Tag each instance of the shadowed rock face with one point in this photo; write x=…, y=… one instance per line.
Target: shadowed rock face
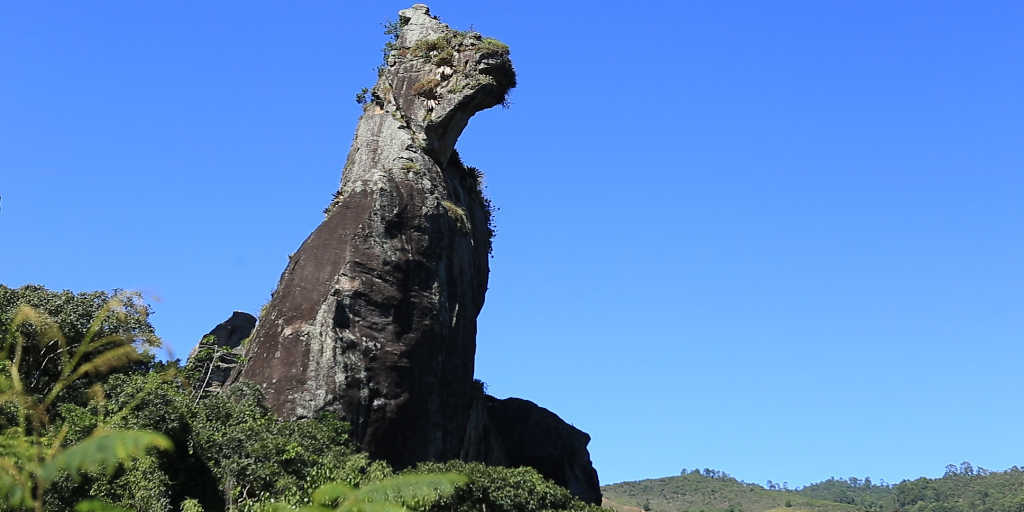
x=225, y=345
x=515, y=432
x=374, y=317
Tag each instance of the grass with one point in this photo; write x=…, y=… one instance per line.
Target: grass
x=458, y=215
x=491, y=45
x=426, y=47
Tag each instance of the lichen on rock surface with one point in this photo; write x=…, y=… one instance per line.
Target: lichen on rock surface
x=374, y=317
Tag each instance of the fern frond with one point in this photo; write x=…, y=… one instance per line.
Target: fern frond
x=103, y=451
x=415, y=490
x=111, y=307
x=331, y=494
x=15, y=487
x=47, y=329
x=113, y=358
x=98, y=365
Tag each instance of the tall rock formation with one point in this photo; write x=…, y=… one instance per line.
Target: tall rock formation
x=375, y=315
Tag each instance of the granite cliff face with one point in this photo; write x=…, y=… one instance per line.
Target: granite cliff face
x=515, y=432
x=375, y=315
x=218, y=352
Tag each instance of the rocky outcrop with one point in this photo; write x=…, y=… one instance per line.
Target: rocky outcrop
x=220, y=350
x=374, y=317
x=516, y=432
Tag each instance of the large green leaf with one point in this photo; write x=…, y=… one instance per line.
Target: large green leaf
x=411, y=489
x=13, y=490
x=103, y=451
x=332, y=494
x=98, y=506
x=389, y=495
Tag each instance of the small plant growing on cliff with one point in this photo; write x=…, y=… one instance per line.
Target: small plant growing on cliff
x=475, y=177
x=491, y=45
x=479, y=387
x=335, y=199
x=362, y=97
x=427, y=88
x=392, y=28
x=426, y=47
x=457, y=214
x=445, y=58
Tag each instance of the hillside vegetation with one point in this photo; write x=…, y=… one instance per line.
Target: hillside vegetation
x=91, y=421
x=711, y=491
x=962, y=489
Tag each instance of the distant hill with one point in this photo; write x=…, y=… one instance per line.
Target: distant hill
x=853, y=491
x=962, y=489
x=716, y=492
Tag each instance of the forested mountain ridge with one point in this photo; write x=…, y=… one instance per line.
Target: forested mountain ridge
x=963, y=488
x=710, y=491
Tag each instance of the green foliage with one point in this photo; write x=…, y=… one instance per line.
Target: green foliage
x=444, y=57
x=426, y=88
x=34, y=455
x=102, y=451
x=472, y=181
x=335, y=199
x=191, y=505
x=97, y=506
x=108, y=320
x=963, y=489
x=395, y=494
x=392, y=29
x=362, y=96
x=500, y=489
x=64, y=444
x=476, y=179
x=493, y=46
x=233, y=453
x=853, y=491
x=434, y=45
x=710, y=490
x=259, y=457
x=144, y=441
x=458, y=215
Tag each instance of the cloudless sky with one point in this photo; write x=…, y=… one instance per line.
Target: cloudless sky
x=781, y=239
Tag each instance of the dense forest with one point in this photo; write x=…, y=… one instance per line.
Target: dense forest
x=93, y=421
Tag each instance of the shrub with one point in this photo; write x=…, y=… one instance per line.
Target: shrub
x=427, y=88
x=426, y=47
x=493, y=46
x=500, y=489
x=445, y=57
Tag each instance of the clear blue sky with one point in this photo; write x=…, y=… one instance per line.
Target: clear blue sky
x=781, y=239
